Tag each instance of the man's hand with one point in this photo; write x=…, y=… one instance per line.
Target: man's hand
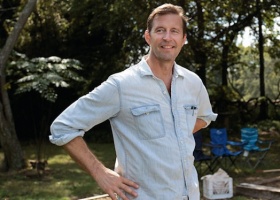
x=109, y=181
x=199, y=124
x=113, y=184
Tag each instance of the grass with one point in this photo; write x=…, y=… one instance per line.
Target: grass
x=64, y=180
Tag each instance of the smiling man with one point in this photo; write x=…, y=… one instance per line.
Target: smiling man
x=153, y=107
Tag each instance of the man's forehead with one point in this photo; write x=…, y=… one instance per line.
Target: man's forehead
x=161, y=20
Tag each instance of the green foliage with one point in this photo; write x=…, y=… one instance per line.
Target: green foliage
x=244, y=76
x=110, y=35
x=44, y=75
x=107, y=37
x=46, y=30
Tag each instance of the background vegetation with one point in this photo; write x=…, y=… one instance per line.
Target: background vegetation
x=68, y=47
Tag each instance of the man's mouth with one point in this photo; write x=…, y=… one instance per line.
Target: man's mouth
x=167, y=47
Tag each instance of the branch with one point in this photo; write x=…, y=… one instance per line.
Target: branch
x=12, y=39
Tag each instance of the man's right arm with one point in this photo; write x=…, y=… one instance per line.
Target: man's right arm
x=109, y=181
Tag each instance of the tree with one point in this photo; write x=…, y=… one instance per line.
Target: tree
x=107, y=37
x=8, y=11
x=38, y=80
x=13, y=154
x=263, y=106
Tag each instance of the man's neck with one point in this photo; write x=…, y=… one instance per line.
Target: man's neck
x=162, y=70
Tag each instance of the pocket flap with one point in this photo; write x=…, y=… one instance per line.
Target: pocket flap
x=144, y=110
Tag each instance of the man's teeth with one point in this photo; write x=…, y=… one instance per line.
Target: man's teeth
x=167, y=47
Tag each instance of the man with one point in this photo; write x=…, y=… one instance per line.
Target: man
x=153, y=107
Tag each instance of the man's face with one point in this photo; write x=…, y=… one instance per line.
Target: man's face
x=166, y=37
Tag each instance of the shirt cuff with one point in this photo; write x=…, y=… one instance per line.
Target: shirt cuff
x=63, y=139
x=209, y=118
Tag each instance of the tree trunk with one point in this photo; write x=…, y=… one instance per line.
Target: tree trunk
x=13, y=154
x=263, y=106
x=200, y=54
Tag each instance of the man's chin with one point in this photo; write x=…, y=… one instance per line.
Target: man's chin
x=166, y=57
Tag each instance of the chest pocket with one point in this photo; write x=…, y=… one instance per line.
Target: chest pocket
x=191, y=115
x=191, y=110
x=149, y=122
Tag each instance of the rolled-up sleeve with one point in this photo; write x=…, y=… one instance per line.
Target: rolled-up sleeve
x=62, y=132
x=94, y=108
x=205, y=109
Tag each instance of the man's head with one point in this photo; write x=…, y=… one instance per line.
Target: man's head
x=166, y=33
x=167, y=9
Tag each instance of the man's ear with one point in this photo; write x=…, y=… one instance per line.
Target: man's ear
x=147, y=36
x=185, y=39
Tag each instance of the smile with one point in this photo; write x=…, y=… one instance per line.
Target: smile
x=167, y=47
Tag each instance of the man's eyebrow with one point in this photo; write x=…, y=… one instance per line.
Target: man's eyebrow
x=160, y=26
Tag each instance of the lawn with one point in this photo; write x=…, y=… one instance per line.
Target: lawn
x=64, y=180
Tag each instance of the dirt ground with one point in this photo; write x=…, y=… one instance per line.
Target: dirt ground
x=262, y=179
x=265, y=178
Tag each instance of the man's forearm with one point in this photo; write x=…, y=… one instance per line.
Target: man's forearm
x=79, y=152
x=199, y=124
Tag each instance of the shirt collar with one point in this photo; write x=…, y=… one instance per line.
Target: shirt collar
x=145, y=70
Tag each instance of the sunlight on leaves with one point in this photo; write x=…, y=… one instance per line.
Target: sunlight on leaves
x=44, y=75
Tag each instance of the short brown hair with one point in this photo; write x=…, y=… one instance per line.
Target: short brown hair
x=167, y=9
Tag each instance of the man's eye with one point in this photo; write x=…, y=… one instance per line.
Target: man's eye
x=159, y=30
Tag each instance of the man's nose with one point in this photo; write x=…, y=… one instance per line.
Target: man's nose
x=167, y=35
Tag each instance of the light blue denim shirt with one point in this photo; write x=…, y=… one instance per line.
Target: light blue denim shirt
x=152, y=130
